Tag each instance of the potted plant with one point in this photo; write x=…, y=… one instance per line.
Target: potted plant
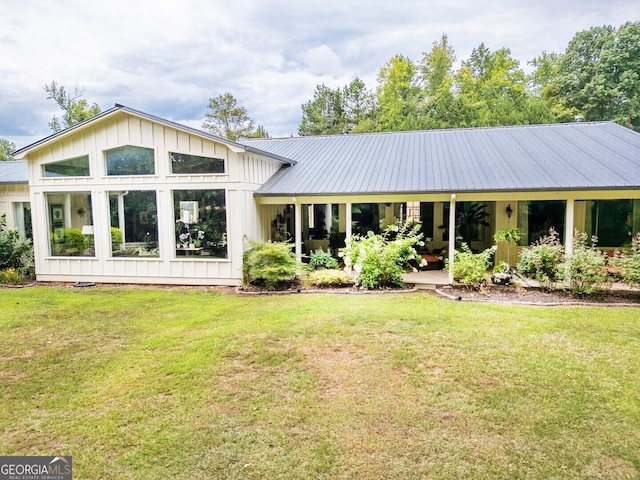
x=509, y=235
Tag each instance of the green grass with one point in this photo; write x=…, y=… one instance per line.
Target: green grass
x=141, y=383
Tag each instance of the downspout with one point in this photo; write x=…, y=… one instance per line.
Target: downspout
x=452, y=235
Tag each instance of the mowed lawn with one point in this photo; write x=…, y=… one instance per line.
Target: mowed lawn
x=144, y=383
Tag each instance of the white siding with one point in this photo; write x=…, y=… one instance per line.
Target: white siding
x=244, y=174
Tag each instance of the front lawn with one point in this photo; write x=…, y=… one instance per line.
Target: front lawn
x=143, y=383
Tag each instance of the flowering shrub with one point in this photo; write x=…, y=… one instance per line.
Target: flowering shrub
x=542, y=259
x=380, y=260
x=11, y=276
x=268, y=264
x=470, y=269
x=586, y=268
x=628, y=265
x=15, y=252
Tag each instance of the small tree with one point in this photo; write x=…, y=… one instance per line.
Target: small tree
x=269, y=264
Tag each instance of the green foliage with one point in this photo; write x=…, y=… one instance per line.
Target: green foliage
x=116, y=238
x=74, y=240
x=268, y=263
x=470, y=269
x=322, y=259
x=327, y=278
x=542, y=259
x=6, y=149
x=381, y=260
x=15, y=252
x=227, y=119
x=76, y=109
x=398, y=95
x=508, y=235
x=11, y=276
x=628, y=265
x=586, y=268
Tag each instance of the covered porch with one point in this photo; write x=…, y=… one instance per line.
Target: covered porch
x=323, y=222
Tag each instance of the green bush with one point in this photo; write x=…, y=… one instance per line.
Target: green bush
x=15, y=252
x=116, y=238
x=75, y=243
x=322, y=259
x=470, y=269
x=11, y=276
x=381, y=260
x=628, y=265
x=586, y=268
x=327, y=278
x=541, y=260
x=269, y=264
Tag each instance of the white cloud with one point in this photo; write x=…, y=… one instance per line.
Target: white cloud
x=168, y=58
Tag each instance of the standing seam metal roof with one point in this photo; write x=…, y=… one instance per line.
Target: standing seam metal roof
x=599, y=155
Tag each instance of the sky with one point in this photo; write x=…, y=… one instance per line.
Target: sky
x=168, y=58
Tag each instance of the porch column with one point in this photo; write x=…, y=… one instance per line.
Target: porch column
x=328, y=217
x=568, y=227
x=348, y=216
x=298, y=233
x=452, y=235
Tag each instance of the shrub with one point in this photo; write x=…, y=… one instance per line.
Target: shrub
x=116, y=238
x=327, y=278
x=11, y=276
x=269, y=264
x=322, y=259
x=586, y=268
x=380, y=261
x=470, y=269
x=15, y=252
x=542, y=259
x=628, y=265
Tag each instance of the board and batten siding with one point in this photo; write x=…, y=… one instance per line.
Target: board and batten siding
x=9, y=196
x=244, y=173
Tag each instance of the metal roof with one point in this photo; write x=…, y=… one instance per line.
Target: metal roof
x=14, y=171
x=600, y=155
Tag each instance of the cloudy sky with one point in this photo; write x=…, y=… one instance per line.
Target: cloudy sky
x=168, y=58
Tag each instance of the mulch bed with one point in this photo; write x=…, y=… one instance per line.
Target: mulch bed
x=510, y=294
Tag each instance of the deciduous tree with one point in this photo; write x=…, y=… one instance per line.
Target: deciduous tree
x=227, y=119
x=76, y=109
x=6, y=149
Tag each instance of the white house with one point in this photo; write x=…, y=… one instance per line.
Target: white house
x=130, y=197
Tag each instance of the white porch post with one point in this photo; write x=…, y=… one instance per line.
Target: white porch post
x=348, y=212
x=452, y=235
x=568, y=227
x=328, y=217
x=298, y=233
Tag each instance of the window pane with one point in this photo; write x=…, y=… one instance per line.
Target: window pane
x=73, y=167
x=201, y=223
x=68, y=214
x=611, y=222
x=134, y=224
x=130, y=160
x=183, y=163
x=535, y=218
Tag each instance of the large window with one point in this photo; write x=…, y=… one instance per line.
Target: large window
x=134, y=223
x=201, y=223
x=535, y=218
x=612, y=221
x=130, y=160
x=22, y=214
x=70, y=224
x=183, y=163
x=73, y=167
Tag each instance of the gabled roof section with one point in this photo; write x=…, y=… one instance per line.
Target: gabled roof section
x=600, y=155
x=13, y=172
x=233, y=146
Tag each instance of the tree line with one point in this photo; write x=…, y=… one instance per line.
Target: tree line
x=596, y=78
